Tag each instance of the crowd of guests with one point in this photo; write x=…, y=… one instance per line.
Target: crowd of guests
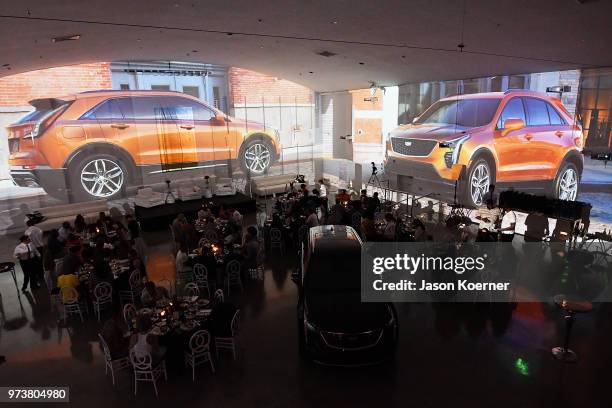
x=58, y=259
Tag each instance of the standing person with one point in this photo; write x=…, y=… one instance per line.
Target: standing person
x=65, y=231
x=390, y=227
x=26, y=254
x=312, y=220
x=508, y=225
x=36, y=236
x=537, y=227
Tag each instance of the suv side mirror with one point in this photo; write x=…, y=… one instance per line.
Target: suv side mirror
x=219, y=119
x=512, y=124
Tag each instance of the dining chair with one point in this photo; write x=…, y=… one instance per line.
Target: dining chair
x=199, y=351
x=191, y=289
x=201, y=278
x=211, y=235
x=229, y=343
x=112, y=363
x=232, y=275
x=102, y=297
x=70, y=302
x=276, y=240
x=145, y=370
x=129, y=313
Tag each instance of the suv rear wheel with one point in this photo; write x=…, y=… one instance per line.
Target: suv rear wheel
x=256, y=157
x=98, y=177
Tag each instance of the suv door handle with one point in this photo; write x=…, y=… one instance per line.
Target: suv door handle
x=120, y=126
x=188, y=127
x=528, y=136
x=558, y=133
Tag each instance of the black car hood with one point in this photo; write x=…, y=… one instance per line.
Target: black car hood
x=344, y=312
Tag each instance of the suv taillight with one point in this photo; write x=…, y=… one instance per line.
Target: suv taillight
x=46, y=121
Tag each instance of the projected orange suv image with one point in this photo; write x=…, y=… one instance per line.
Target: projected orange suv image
x=461, y=145
x=93, y=145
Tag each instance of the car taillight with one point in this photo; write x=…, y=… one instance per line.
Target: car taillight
x=45, y=122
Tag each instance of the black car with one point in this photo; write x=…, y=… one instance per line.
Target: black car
x=334, y=326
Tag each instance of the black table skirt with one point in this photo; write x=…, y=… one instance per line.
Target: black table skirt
x=161, y=216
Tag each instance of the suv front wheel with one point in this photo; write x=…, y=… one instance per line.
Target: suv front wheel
x=479, y=176
x=97, y=177
x=566, y=183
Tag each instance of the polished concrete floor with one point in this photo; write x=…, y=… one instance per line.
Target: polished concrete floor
x=449, y=355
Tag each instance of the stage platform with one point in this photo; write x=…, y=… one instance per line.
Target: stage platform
x=161, y=216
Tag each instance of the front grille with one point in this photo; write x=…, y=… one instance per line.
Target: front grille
x=13, y=145
x=347, y=341
x=413, y=147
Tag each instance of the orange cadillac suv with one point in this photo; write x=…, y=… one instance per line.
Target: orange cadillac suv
x=462, y=144
x=92, y=145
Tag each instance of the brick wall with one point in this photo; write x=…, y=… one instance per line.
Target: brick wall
x=17, y=90
x=253, y=86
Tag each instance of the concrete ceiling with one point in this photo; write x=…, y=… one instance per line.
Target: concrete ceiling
x=388, y=42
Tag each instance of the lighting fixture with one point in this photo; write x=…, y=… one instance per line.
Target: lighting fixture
x=73, y=37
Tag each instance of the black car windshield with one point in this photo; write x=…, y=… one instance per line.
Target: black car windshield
x=339, y=271
x=461, y=112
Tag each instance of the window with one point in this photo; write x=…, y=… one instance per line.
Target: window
x=186, y=109
x=192, y=90
x=160, y=87
x=537, y=114
x=124, y=87
x=462, y=112
x=513, y=110
x=555, y=118
x=106, y=110
x=216, y=97
x=145, y=107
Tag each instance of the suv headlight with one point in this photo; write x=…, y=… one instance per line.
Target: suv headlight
x=452, y=156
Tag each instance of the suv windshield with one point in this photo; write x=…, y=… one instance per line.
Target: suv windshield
x=461, y=112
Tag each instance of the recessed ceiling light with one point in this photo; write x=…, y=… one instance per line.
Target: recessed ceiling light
x=334, y=21
x=138, y=40
x=260, y=20
x=310, y=72
x=73, y=37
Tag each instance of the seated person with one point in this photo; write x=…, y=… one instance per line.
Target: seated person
x=112, y=332
x=72, y=261
x=68, y=280
x=390, y=224
x=204, y=213
x=234, y=236
x=64, y=231
x=151, y=294
x=223, y=212
x=182, y=259
x=79, y=224
x=143, y=342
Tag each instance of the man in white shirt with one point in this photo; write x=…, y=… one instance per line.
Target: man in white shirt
x=27, y=255
x=36, y=236
x=508, y=225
